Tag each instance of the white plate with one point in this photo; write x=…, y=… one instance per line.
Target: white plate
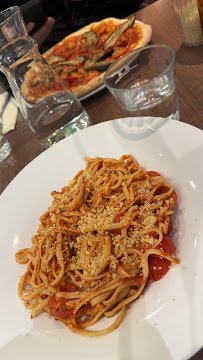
x=93, y=92
x=167, y=323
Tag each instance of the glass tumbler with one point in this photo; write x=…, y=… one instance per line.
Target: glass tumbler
x=143, y=82
x=189, y=14
x=5, y=147
x=48, y=105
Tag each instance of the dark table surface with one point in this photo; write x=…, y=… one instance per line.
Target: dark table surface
x=102, y=107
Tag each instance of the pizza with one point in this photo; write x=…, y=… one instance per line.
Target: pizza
x=40, y=81
x=82, y=57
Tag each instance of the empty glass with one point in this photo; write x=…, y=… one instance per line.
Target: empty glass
x=46, y=102
x=143, y=82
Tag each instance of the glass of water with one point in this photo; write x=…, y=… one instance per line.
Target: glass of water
x=143, y=82
x=48, y=105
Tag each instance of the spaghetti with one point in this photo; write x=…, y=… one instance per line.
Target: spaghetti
x=99, y=243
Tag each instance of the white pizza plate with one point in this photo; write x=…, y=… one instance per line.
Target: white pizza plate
x=167, y=323
x=93, y=92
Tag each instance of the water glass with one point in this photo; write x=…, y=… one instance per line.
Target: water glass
x=5, y=148
x=143, y=82
x=48, y=105
x=189, y=14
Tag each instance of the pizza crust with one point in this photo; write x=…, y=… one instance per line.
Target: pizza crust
x=95, y=83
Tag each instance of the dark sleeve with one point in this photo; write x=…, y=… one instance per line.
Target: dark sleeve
x=98, y=9
x=4, y=4
x=54, y=8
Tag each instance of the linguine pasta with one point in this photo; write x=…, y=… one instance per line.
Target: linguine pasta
x=99, y=243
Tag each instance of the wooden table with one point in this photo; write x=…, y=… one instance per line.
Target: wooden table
x=102, y=107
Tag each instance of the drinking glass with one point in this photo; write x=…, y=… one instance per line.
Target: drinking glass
x=189, y=14
x=48, y=105
x=143, y=82
x=5, y=147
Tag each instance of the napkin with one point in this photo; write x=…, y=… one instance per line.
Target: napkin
x=9, y=115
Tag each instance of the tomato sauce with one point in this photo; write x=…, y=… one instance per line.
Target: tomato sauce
x=116, y=220
x=59, y=308
x=158, y=267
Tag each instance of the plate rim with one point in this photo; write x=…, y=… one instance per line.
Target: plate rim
x=26, y=168
x=178, y=123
